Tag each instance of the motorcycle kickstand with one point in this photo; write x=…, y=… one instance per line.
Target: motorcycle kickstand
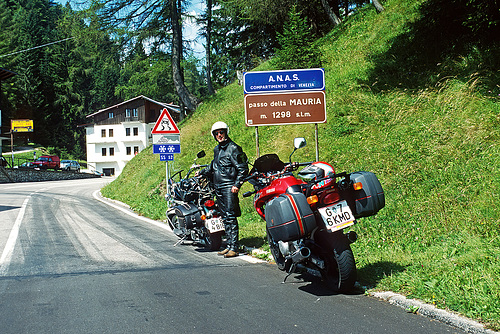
x=182, y=240
x=289, y=272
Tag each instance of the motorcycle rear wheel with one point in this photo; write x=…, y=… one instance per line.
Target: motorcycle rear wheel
x=278, y=257
x=213, y=241
x=340, y=272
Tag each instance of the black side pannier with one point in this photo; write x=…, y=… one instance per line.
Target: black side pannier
x=189, y=215
x=289, y=217
x=369, y=200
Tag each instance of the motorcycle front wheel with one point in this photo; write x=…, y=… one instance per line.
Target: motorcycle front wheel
x=340, y=271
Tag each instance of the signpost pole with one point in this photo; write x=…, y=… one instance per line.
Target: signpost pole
x=317, y=142
x=257, y=141
x=12, y=146
x=167, y=175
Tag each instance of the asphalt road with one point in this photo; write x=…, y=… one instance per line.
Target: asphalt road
x=72, y=264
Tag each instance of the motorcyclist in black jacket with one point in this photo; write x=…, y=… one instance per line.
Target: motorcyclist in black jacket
x=227, y=171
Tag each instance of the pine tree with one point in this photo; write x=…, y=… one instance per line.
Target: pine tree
x=296, y=44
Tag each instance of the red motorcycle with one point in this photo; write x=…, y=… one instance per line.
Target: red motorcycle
x=306, y=217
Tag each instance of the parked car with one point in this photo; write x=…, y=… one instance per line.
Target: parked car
x=70, y=165
x=48, y=162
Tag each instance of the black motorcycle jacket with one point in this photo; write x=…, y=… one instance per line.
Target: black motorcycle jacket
x=229, y=166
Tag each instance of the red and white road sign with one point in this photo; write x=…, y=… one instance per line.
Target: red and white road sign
x=165, y=124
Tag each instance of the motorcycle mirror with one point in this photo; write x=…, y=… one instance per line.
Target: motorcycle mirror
x=200, y=154
x=299, y=142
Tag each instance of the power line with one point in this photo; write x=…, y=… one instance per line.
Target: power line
x=36, y=47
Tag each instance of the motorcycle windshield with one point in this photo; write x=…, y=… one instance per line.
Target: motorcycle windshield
x=268, y=163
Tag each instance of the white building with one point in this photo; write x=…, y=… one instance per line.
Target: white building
x=119, y=132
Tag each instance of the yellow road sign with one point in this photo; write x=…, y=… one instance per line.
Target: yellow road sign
x=21, y=125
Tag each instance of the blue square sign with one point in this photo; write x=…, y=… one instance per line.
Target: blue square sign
x=166, y=157
x=167, y=148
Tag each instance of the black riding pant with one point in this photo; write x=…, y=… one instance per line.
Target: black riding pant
x=229, y=206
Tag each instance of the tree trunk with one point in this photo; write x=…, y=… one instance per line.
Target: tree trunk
x=188, y=99
x=208, y=57
x=331, y=15
x=378, y=6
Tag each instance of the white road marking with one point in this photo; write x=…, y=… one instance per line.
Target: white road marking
x=11, y=242
x=131, y=213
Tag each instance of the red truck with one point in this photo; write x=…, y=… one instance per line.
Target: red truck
x=47, y=162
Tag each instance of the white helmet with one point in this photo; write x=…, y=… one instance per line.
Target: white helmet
x=220, y=126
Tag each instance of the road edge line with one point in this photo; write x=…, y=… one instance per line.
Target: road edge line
x=126, y=209
x=11, y=241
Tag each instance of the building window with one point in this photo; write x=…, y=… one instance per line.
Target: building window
x=136, y=131
x=111, y=151
x=103, y=133
x=127, y=113
x=103, y=150
x=127, y=131
x=136, y=150
x=111, y=115
x=111, y=132
x=129, y=150
x=134, y=112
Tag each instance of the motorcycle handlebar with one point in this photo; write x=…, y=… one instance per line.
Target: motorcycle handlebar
x=198, y=166
x=179, y=172
x=248, y=193
x=295, y=165
x=251, y=176
x=288, y=167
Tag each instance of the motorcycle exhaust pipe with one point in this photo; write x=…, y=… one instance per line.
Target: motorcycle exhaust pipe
x=301, y=254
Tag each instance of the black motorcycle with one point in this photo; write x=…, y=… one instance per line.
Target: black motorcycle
x=193, y=214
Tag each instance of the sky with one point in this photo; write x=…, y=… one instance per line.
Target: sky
x=191, y=29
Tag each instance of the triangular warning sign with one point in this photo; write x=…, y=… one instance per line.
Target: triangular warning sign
x=165, y=124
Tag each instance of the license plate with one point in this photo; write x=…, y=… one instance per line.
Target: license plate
x=337, y=216
x=214, y=225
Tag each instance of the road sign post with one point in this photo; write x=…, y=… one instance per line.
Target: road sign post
x=284, y=81
x=166, y=142
x=166, y=139
x=165, y=124
x=285, y=108
x=18, y=125
x=166, y=148
x=285, y=97
x=166, y=157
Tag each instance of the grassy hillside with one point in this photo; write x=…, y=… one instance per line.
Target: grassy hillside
x=428, y=125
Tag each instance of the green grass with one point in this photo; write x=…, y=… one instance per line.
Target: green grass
x=20, y=157
x=431, y=136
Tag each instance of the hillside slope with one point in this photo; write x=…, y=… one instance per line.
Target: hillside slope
x=428, y=125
